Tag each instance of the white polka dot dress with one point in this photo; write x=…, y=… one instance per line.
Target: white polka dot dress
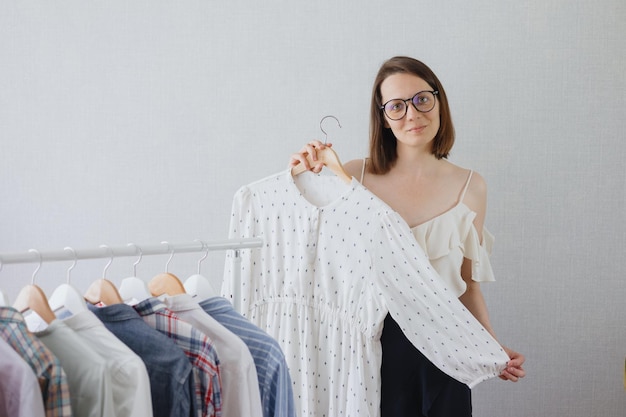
x=335, y=261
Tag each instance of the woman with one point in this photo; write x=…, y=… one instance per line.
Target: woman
x=411, y=135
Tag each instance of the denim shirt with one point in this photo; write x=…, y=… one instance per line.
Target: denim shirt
x=169, y=370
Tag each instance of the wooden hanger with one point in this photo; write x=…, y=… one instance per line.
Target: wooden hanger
x=102, y=290
x=31, y=297
x=328, y=157
x=166, y=283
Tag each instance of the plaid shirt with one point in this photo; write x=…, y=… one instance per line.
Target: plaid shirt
x=47, y=368
x=198, y=348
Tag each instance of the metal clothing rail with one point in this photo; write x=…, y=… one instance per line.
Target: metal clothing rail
x=131, y=249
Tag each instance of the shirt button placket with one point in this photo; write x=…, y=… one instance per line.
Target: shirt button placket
x=312, y=237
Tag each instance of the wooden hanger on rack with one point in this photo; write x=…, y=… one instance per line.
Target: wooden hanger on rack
x=102, y=290
x=166, y=283
x=31, y=297
x=328, y=157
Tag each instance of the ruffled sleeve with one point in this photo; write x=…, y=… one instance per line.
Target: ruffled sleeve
x=479, y=254
x=449, y=238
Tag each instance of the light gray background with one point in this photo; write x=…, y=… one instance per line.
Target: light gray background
x=137, y=121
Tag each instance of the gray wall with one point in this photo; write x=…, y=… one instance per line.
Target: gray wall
x=137, y=121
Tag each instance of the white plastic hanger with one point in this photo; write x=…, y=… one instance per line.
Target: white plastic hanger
x=103, y=291
x=133, y=289
x=67, y=298
x=199, y=286
x=327, y=156
x=31, y=297
x=166, y=283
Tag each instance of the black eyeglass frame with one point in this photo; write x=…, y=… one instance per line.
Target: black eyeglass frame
x=406, y=107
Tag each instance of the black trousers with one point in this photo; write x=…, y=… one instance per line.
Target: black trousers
x=412, y=386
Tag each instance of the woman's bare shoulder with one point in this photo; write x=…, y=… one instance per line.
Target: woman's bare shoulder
x=477, y=186
x=476, y=193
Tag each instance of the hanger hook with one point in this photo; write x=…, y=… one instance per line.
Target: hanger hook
x=322, y=129
x=167, y=264
x=138, y=260
x=205, y=254
x=32, y=280
x=73, y=264
x=104, y=272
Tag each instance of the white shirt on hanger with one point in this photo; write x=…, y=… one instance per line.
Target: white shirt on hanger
x=129, y=377
x=91, y=391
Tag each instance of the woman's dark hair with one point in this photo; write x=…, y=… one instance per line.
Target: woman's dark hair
x=383, y=147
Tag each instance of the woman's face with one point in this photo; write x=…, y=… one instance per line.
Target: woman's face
x=415, y=129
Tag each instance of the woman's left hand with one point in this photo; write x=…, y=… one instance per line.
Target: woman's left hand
x=514, y=371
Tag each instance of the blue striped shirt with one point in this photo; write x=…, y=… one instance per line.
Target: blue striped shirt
x=272, y=371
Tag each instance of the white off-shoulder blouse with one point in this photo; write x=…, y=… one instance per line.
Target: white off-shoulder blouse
x=452, y=236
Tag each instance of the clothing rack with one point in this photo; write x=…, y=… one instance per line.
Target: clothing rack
x=131, y=249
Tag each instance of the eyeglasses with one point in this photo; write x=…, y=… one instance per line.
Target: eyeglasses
x=396, y=108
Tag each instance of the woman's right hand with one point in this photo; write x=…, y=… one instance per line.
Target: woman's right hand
x=310, y=149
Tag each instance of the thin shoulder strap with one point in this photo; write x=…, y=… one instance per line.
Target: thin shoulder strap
x=363, y=170
x=467, y=183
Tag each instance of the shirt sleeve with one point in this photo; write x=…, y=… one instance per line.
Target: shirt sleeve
x=429, y=314
x=241, y=226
